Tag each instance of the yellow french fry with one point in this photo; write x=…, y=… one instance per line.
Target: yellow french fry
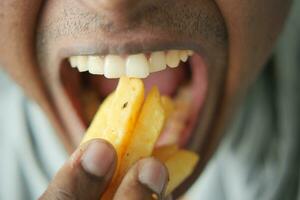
x=133, y=126
x=116, y=119
x=165, y=152
x=125, y=108
x=168, y=105
x=99, y=121
x=180, y=165
x=147, y=130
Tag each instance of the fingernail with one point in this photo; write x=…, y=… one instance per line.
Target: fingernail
x=153, y=174
x=98, y=159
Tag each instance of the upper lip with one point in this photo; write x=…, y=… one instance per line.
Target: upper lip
x=127, y=44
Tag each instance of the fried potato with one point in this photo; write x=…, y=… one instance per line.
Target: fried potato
x=147, y=130
x=180, y=165
x=125, y=108
x=168, y=105
x=165, y=152
x=133, y=126
x=115, y=120
x=99, y=121
x=117, y=117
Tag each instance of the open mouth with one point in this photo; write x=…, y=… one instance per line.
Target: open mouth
x=179, y=74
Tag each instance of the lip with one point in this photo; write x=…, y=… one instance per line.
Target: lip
x=138, y=40
x=141, y=40
x=124, y=48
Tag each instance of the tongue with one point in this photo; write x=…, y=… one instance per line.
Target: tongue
x=167, y=81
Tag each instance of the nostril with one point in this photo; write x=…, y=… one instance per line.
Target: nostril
x=113, y=6
x=117, y=4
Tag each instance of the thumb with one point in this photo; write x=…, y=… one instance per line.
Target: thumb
x=85, y=175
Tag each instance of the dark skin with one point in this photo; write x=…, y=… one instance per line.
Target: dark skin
x=235, y=38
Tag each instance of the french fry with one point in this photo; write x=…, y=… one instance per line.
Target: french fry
x=133, y=126
x=121, y=119
x=180, y=165
x=149, y=126
x=116, y=119
x=99, y=121
x=165, y=152
x=168, y=105
x=147, y=129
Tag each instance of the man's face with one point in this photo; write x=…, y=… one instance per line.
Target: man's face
x=232, y=39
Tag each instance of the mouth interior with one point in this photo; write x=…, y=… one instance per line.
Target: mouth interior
x=186, y=85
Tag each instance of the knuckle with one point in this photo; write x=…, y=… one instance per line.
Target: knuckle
x=62, y=194
x=58, y=193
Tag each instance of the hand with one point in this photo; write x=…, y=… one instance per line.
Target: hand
x=88, y=171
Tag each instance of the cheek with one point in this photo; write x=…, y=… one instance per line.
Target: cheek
x=253, y=27
x=17, y=21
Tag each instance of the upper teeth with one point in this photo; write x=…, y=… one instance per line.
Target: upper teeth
x=137, y=65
